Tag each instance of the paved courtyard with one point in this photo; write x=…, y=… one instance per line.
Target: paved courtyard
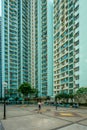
x=27, y=117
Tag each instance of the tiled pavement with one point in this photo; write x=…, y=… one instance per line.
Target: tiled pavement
x=1, y=127
x=28, y=118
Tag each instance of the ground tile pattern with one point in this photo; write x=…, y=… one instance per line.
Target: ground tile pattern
x=74, y=127
x=34, y=122
x=26, y=117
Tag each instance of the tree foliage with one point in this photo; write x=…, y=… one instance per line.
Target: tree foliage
x=64, y=96
x=81, y=90
x=34, y=92
x=25, y=89
x=81, y=95
x=48, y=98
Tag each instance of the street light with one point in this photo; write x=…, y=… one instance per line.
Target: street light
x=4, y=85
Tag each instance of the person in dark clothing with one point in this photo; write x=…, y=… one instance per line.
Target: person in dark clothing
x=39, y=106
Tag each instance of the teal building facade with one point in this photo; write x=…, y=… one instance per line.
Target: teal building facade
x=16, y=46
x=43, y=42
x=0, y=58
x=44, y=47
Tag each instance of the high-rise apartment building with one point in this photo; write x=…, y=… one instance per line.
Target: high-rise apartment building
x=44, y=43
x=28, y=44
x=70, y=57
x=44, y=47
x=33, y=43
x=10, y=43
x=15, y=42
x=24, y=43
x=0, y=58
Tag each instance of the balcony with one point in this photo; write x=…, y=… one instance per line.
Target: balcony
x=76, y=4
x=76, y=39
x=76, y=30
x=76, y=47
x=76, y=56
x=76, y=81
x=76, y=65
x=76, y=73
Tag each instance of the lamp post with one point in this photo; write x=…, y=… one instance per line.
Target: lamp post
x=5, y=85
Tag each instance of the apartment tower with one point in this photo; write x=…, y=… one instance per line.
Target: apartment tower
x=44, y=47
x=70, y=56
x=16, y=43
x=0, y=57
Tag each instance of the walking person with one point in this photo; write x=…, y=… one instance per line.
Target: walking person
x=39, y=106
x=56, y=104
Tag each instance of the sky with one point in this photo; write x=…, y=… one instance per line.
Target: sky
x=0, y=7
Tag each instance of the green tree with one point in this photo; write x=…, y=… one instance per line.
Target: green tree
x=34, y=92
x=63, y=96
x=81, y=95
x=58, y=96
x=48, y=98
x=71, y=96
x=25, y=89
x=81, y=90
